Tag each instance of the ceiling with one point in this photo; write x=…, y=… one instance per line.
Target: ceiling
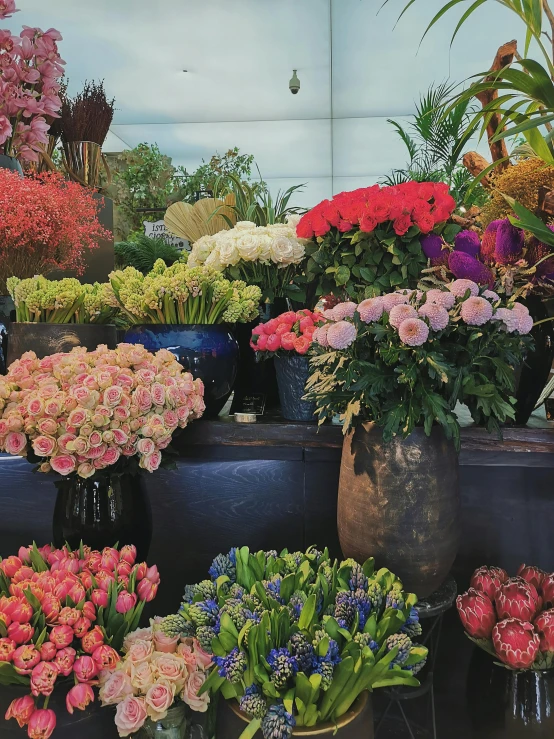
x=355, y=68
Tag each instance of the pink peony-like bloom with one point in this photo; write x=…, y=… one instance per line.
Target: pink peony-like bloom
x=114, y=687
x=371, y=309
x=43, y=446
x=7, y=649
x=130, y=715
x=79, y=697
x=64, y=464
x=158, y=699
x=64, y=661
x=392, y=299
x=491, y=295
x=319, y=336
x=436, y=315
x=105, y=657
x=511, y=320
x=85, y=669
x=460, y=287
x=20, y=633
x=344, y=310
x=15, y=443
x=41, y=724
x=43, y=677
x=441, y=297
x=401, y=312
x=476, y=311
x=21, y=709
x=413, y=332
x=516, y=643
x=93, y=639
x=341, y=335
x=125, y=601
x=25, y=658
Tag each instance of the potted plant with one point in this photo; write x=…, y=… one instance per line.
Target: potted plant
x=64, y=617
x=512, y=620
x=366, y=242
x=298, y=640
x=55, y=315
x=97, y=419
x=30, y=83
x=156, y=684
x=188, y=310
x=287, y=340
x=394, y=368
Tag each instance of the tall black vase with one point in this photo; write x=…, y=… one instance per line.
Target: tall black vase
x=101, y=512
x=12, y=163
x=533, y=375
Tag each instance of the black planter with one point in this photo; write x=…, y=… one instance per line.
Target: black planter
x=504, y=704
x=7, y=312
x=209, y=352
x=51, y=338
x=12, y=163
x=293, y=371
x=533, y=375
x=101, y=512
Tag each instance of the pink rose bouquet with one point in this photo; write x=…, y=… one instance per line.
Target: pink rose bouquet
x=511, y=618
x=84, y=412
x=155, y=673
x=63, y=617
x=405, y=359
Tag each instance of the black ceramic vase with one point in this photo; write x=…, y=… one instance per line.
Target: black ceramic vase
x=12, y=163
x=293, y=371
x=102, y=512
x=506, y=704
x=208, y=351
x=533, y=375
x=51, y=338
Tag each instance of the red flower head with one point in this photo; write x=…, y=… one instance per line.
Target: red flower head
x=105, y=657
x=69, y=616
x=544, y=624
x=533, y=575
x=516, y=643
x=25, y=658
x=21, y=611
x=10, y=566
x=128, y=554
x=61, y=636
x=85, y=669
x=477, y=614
x=48, y=651
x=89, y=610
x=43, y=677
x=93, y=639
x=488, y=580
x=51, y=607
x=64, y=660
x=20, y=633
x=7, y=649
x=517, y=599
x=547, y=590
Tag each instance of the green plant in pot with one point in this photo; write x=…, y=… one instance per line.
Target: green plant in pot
x=298, y=639
x=394, y=368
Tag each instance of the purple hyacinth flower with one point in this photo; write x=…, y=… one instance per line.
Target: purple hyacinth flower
x=488, y=242
x=431, y=245
x=465, y=267
x=509, y=243
x=468, y=242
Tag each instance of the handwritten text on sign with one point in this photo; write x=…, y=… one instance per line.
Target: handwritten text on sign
x=159, y=230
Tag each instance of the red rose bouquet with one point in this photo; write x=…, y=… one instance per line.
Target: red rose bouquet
x=290, y=332
x=512, y=618
x=63, y=618
x=366, y=242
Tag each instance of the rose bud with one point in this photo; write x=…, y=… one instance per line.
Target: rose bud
x=69, y=616
x=51, y=607
x=81, y=627
x=48, y=651
x=61, y=635
x=517, y=599
x=41, y=724
x=146, y=590
x=533, y=575
x=89, y=611
x=476, y=613
x=94, y=638
x=153, y=575
x=110, y=559
x=99, y=598
x=25, y=658
x=140, y=571
x=20, y=633
x=105, y=657
x=128, y=554
x=516, y=643
x=124, y=569
x=125, y=601
x=21, y=709
x=43, y=677
x=164, y=643
x=10, y=566
x=547, y=590
x=7, y=648
x=79, y=697
x=64, y=660
x=24, y=555
x=85, y=669
x=22, y=611
x=544, y=624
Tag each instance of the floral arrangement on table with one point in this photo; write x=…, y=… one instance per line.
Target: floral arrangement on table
x=406, y=358
x=84, y=412
x=157, y=674
x=365, y=242
x=267, y=256
x=290, y=332
x=298, y=637
x=182, y=294
x=38, y=300
x=511, y=618
x=63, y=617
x=502, y=259
x=29, y=82
x=47, y=224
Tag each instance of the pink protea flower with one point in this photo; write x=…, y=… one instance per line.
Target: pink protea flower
x=489, y=580
x=399, y=313
x=516, y=643
x=476, y=311
x=517, y=599
x=436, y=315
x=392, y=299
x=341, y=335
x=413, y=332
x=544, y=624
x=344, y=310
x=476, y=613
x=531, y=574
x=441, y=297
x=371, y=309
x=460, y=287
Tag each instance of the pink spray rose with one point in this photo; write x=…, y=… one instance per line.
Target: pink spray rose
x=115, y=688
x=189, y=694
x=158, y=699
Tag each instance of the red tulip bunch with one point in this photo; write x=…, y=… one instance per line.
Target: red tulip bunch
x=511, y=617
x=291, y=332
x=64, y=615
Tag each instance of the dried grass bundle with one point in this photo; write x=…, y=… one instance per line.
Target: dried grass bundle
x=88, y=116
x=191, y=222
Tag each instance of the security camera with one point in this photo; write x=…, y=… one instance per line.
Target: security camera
x=294, y=84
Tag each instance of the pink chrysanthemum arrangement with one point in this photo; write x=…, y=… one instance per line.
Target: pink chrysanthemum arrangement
x=405, y=359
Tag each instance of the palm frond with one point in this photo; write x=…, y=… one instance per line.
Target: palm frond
x=143, y=253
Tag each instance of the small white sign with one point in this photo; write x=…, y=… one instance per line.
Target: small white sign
x=158, y=230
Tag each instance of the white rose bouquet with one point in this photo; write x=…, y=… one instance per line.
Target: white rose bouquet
x=268, y=256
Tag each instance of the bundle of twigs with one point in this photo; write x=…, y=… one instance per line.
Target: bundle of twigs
x=87, y=116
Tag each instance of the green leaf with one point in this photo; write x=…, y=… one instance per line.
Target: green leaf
x=251, y=729
x=342, y=275
x=228, y=626
x=307, y=614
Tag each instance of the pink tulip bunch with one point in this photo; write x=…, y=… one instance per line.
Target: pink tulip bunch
x=29, y=87
x=87, y=411
x=511, y=617
x=156, y=671
x=63, y=616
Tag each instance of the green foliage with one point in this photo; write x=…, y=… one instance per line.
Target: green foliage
x=205, y=177
x=255, y=204
x=144, y=251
